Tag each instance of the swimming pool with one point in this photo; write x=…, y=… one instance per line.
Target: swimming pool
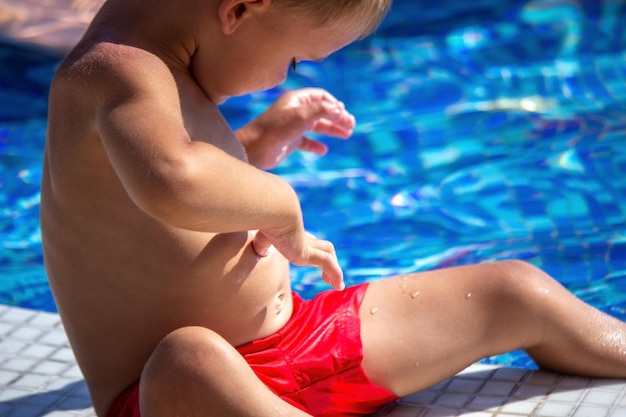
x=485, y=132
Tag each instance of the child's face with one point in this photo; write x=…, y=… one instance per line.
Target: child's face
x=258, y=55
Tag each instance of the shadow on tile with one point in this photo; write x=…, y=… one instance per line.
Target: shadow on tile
x=69, y=398
x=510, y=391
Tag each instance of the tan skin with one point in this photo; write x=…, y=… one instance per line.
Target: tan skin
x=158, y=224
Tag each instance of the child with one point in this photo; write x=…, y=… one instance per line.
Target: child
x=168, y=247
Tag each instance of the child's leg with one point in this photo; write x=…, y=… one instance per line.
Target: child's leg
x=194, y=372
x=420, y=329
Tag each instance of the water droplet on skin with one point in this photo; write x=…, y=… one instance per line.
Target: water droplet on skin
x=403, y=288
x=414, y=294
x=468, y=295
x=374, y=310
x=417, y=364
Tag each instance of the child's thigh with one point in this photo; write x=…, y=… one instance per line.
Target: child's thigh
x=420, y=329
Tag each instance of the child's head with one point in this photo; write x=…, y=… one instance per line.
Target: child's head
x=255, y=41
x=366, y=14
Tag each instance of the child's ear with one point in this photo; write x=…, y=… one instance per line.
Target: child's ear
x=232, y=12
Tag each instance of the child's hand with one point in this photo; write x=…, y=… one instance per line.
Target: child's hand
x=280, y=130
x=302, y=249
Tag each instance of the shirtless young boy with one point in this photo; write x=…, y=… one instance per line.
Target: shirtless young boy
x=168, y=247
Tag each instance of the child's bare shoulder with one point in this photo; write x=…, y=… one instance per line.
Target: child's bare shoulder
x=113, y=67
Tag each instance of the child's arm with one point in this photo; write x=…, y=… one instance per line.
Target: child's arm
x=199, y=184
x=280, y=130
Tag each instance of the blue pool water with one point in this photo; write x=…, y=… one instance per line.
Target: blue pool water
x=488, y=131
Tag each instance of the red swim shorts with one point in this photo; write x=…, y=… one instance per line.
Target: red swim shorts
x=313, y=362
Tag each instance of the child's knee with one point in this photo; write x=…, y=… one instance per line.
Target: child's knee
x=517, y=268
x=181, y=359
x=520, y=287
x=521, y=276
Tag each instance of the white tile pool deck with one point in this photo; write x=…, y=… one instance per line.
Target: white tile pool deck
x=38, y=377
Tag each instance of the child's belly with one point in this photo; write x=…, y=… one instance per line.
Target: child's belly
x=254, y=298
x=230, y=290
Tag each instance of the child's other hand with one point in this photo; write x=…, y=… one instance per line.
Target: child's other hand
x=302, y=249
x=281, y=129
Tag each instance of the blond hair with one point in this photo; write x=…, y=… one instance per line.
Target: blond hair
x=367, y=13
